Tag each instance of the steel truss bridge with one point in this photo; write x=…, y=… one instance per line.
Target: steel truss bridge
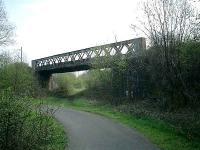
x=81, y=59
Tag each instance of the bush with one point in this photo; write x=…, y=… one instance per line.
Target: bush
x=20, y=78
x=21, y=127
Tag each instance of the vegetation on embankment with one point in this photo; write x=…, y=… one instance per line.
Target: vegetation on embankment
x=27, y=126
x=24, y=125
x=98, y=85
x=158, y=131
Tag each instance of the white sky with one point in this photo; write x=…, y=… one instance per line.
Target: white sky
x=48, y=27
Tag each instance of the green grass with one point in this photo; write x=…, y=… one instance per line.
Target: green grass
x=60, y=141
x=157, y=131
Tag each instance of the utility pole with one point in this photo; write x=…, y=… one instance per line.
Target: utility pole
x=21, y=54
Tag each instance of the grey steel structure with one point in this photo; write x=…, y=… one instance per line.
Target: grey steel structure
x=81, y=59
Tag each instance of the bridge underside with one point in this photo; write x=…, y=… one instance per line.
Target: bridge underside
x=44, y=75
x=66, y=68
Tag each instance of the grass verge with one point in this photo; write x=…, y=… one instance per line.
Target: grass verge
x=157, y=131
x=60, y=140
x=53, y=131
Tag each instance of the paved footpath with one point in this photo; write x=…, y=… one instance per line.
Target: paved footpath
x=88, y=131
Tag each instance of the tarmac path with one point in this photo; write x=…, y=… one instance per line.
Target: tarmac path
x=87, y=131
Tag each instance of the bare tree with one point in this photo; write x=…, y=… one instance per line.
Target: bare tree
x=169, y=24
x=6, y=28
x=169, y=21
x=6, y=34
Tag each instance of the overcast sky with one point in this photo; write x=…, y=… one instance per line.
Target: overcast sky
x=48, y=27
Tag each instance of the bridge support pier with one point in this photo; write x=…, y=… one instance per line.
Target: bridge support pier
x=44, y=79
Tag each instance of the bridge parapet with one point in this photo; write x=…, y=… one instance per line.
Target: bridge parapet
x=80, y=59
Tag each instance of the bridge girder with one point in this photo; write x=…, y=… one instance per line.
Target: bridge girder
x=81, y=59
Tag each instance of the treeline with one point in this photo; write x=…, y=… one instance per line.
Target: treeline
x=145, y=76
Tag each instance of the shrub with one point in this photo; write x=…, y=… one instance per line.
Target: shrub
x=23, y=126
x=19, y=77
